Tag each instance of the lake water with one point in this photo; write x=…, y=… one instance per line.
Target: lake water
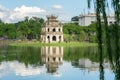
x=54, y=63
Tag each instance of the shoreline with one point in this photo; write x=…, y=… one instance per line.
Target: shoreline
x=64, y=44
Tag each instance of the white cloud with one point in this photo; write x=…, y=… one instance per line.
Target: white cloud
x=19, y=13
x=3, y=9
x=3, y=12
x=2, y=15
x=57, y=7
x=23, y=11
x=3, y=70
x=57, y=74
x=19, y=69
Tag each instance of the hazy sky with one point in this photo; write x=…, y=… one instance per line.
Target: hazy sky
x=16, y=10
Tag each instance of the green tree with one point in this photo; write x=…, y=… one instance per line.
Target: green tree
x=30, y=28
x=75, y=19
x=1, y=29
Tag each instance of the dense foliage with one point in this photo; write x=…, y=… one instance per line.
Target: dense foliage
x=73, y=32
x=30, y=28
x=75, y=19
x=27, y=29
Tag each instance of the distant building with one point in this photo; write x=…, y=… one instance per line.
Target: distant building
x=52, y=31
x=52, y=57
x=87, y=19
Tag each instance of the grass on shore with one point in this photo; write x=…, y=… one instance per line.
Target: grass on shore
x=38, y=44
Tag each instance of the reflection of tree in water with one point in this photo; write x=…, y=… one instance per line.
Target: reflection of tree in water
x=76, y=53
x=26, y=55
x=116, y=65
x=89, y=58
x=52, y=57
x=101, y=68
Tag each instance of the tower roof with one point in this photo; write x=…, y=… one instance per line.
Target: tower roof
x=52, y=17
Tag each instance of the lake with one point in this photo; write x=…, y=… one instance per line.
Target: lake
x=54, y=63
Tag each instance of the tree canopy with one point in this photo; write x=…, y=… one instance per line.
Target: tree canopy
x=29, y=28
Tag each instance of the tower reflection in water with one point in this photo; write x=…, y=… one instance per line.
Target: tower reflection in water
x=52, y=57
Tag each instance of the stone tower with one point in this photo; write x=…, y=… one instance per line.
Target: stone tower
x=52, y=31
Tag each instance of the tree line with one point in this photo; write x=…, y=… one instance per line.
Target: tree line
x=29, y=28
x=74, y=32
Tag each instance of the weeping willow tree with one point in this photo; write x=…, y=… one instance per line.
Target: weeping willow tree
x=116, y=6
x=104, y=5
x=100, y=8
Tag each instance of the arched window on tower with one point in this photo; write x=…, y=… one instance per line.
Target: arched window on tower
x=48, y=38
x=54, y=59
x=48, y=59
x=54, y=38
x=59, y=59
x=54, y=30
x=59, y=38
x=48, y=29
x=59, y=29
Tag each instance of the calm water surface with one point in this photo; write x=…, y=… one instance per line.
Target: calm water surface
x=53, y=63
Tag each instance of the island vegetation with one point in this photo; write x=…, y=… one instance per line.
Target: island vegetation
x=28, y=31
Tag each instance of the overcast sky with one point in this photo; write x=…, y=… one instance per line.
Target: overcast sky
x=16, y=10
